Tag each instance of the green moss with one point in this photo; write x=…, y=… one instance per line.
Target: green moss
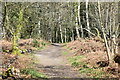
x=7, y=51
x=16, y=51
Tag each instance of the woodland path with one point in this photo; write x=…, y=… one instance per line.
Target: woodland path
x=53, y=64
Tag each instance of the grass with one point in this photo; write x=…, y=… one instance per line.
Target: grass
x=33, y=73
x=84, y=69
x=65, y=53
x=74, y=61
x=93, y=73
x=74, y=58
x=30, y=70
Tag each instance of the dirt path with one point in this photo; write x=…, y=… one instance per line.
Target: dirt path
x=53, y=64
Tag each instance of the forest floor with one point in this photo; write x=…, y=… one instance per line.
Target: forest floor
x=89, y=57
x=76, y=59
x=52, y=63
x=65, y=61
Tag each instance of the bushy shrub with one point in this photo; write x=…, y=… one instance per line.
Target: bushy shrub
x=36, y=43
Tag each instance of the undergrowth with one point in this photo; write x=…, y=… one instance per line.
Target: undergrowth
x=84, y=69
x=91, y=72
x=36, y=43
x=39, y=45
x=33, y=73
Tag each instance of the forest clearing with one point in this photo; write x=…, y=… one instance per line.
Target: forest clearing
x=60, y=40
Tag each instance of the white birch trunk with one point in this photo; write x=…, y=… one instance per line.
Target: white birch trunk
x=72, y=38
x=39, y=31
x=77, y=30
x=81, y=28
x=88, y=27
x=56, y=36
x=65, y=35
x=61, y=35
x=104, y=35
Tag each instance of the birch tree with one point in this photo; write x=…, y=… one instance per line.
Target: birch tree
x=79, y=18
x=87, y=18
x=109, y=28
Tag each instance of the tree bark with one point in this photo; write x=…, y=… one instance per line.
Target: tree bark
x=72, y=37
x=4, y=21
x=87, y=18
x=104, y=35
x=81, y=28
x=65, y=35
x=77, y=29
x=39, y=31
x=61, y=35
x=15, y=49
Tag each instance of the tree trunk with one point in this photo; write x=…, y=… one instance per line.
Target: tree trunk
x=81, y=28
x=104, y=35
x=4, y=21
x=77, y=29
x=87, y=18
x=56, y=38
x=39, y=31
x=15, y=49
x=65, y=35
x=61, y=35
x=72, y=37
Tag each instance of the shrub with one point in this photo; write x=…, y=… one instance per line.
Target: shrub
x=36, y=43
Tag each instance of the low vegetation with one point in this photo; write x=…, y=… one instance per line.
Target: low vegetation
x=65, y=53
x=84, y=69
x=27, y=48
x=86, y=54
x=33, y=73
x=74, y=61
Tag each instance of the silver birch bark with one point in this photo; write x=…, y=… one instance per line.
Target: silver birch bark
x=77, y=29
x=65, y=35
x=72, y=38
x=61, y=35
x=39, y=31
x=104, y=35
x=88, y=27
x=81, y=28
